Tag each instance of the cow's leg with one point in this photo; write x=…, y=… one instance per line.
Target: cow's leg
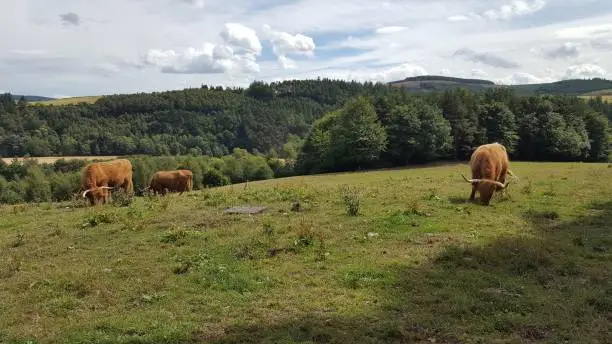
x=473, y=194
x=130, y=186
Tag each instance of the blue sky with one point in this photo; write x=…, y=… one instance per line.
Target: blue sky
x=74, y=47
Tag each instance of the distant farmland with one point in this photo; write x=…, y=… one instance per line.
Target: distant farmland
x=68, y=101
x=52, y=159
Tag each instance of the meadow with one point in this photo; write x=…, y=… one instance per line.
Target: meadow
x=391, y=256
x=68, y=101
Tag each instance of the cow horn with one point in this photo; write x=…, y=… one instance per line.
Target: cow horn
x=107, y=187
x=503, y=186
x=85, y=192
x=513, y=175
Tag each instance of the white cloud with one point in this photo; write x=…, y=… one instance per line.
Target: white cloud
x=242, y=36
x=507, y=11
x=381, y=74
x=286, y=63
x=284, y=43
x=385, y=30
x=196, y=3
x=479, y=73
x=212, y=58
x=563, y=51
x=458, y=18
x=208, y=59
x=228, y=41
x=584, y=31
x=487, y=58
x=515, y=8
x=601, y=43
x=522, y=78
x=585, y=71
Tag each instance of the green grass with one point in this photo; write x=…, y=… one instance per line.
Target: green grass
x=378, y=257
x=68, y=101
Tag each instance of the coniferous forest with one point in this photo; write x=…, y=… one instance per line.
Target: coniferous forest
x=292, y=127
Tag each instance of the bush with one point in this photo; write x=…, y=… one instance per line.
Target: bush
x=37, y=187
x=214, y=177
x=352, y=201
x=64, y=186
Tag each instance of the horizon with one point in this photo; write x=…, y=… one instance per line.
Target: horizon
x=119, y=47
x=334, y=79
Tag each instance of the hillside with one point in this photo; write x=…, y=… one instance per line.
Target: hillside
x=67, y=101
x=564, y=87
x=431, y=83
x=28, y=98
x=275, y=119
x=417, y=265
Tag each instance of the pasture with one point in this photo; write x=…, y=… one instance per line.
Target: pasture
x=392, y=256
x=68, y=101
x=607, y=97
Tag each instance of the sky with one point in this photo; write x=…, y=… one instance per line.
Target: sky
x=66, y=48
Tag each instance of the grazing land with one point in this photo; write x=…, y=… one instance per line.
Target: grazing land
x=52, y=159
x=604, y=97
x=68, y=101
x=416, y=264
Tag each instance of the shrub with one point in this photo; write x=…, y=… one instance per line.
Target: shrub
x=214, y=177
x=351, y=199
x=37, y=187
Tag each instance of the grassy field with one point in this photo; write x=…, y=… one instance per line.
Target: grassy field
x=68, y=101
x=52, y=159
x=416, y=265
x=605, y=97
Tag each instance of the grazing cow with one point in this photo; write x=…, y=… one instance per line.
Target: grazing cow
x=489, y=165
x=173, y=181
x=101, y=177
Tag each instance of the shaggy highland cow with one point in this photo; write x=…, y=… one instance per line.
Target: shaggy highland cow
x=489, y=164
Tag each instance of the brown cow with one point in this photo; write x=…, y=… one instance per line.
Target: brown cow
x=489, y=165
x=101, y=177
x=173, y=181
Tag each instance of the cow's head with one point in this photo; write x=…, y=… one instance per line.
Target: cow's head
x=97, y=195
x=486, y=188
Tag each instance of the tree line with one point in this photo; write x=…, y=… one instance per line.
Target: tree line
x=384, y=131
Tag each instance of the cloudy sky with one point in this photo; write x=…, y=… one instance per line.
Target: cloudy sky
x=89, y=47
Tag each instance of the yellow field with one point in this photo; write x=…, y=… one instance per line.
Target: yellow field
x=69, y=101
x=52, y=159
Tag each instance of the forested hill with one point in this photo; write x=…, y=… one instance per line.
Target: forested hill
x=276, y=118
x=29, y=98
x=428, y=83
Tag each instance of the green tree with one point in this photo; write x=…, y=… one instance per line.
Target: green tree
x=358, y=138
x=417, y=131
x=563, y=141
x=499, y=124
x=598, y=129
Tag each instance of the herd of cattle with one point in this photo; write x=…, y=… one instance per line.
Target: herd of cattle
x=101, y=177
x=489, y=164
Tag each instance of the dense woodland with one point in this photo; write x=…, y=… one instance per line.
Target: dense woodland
x=302, y=126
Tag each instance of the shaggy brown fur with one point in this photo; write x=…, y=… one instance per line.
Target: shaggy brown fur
x=172, y=181
x=489, y=165
x=101, y=177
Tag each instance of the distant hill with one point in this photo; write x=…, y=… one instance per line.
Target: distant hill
x=428, y=83
x=29, y=98
x=576, y=87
